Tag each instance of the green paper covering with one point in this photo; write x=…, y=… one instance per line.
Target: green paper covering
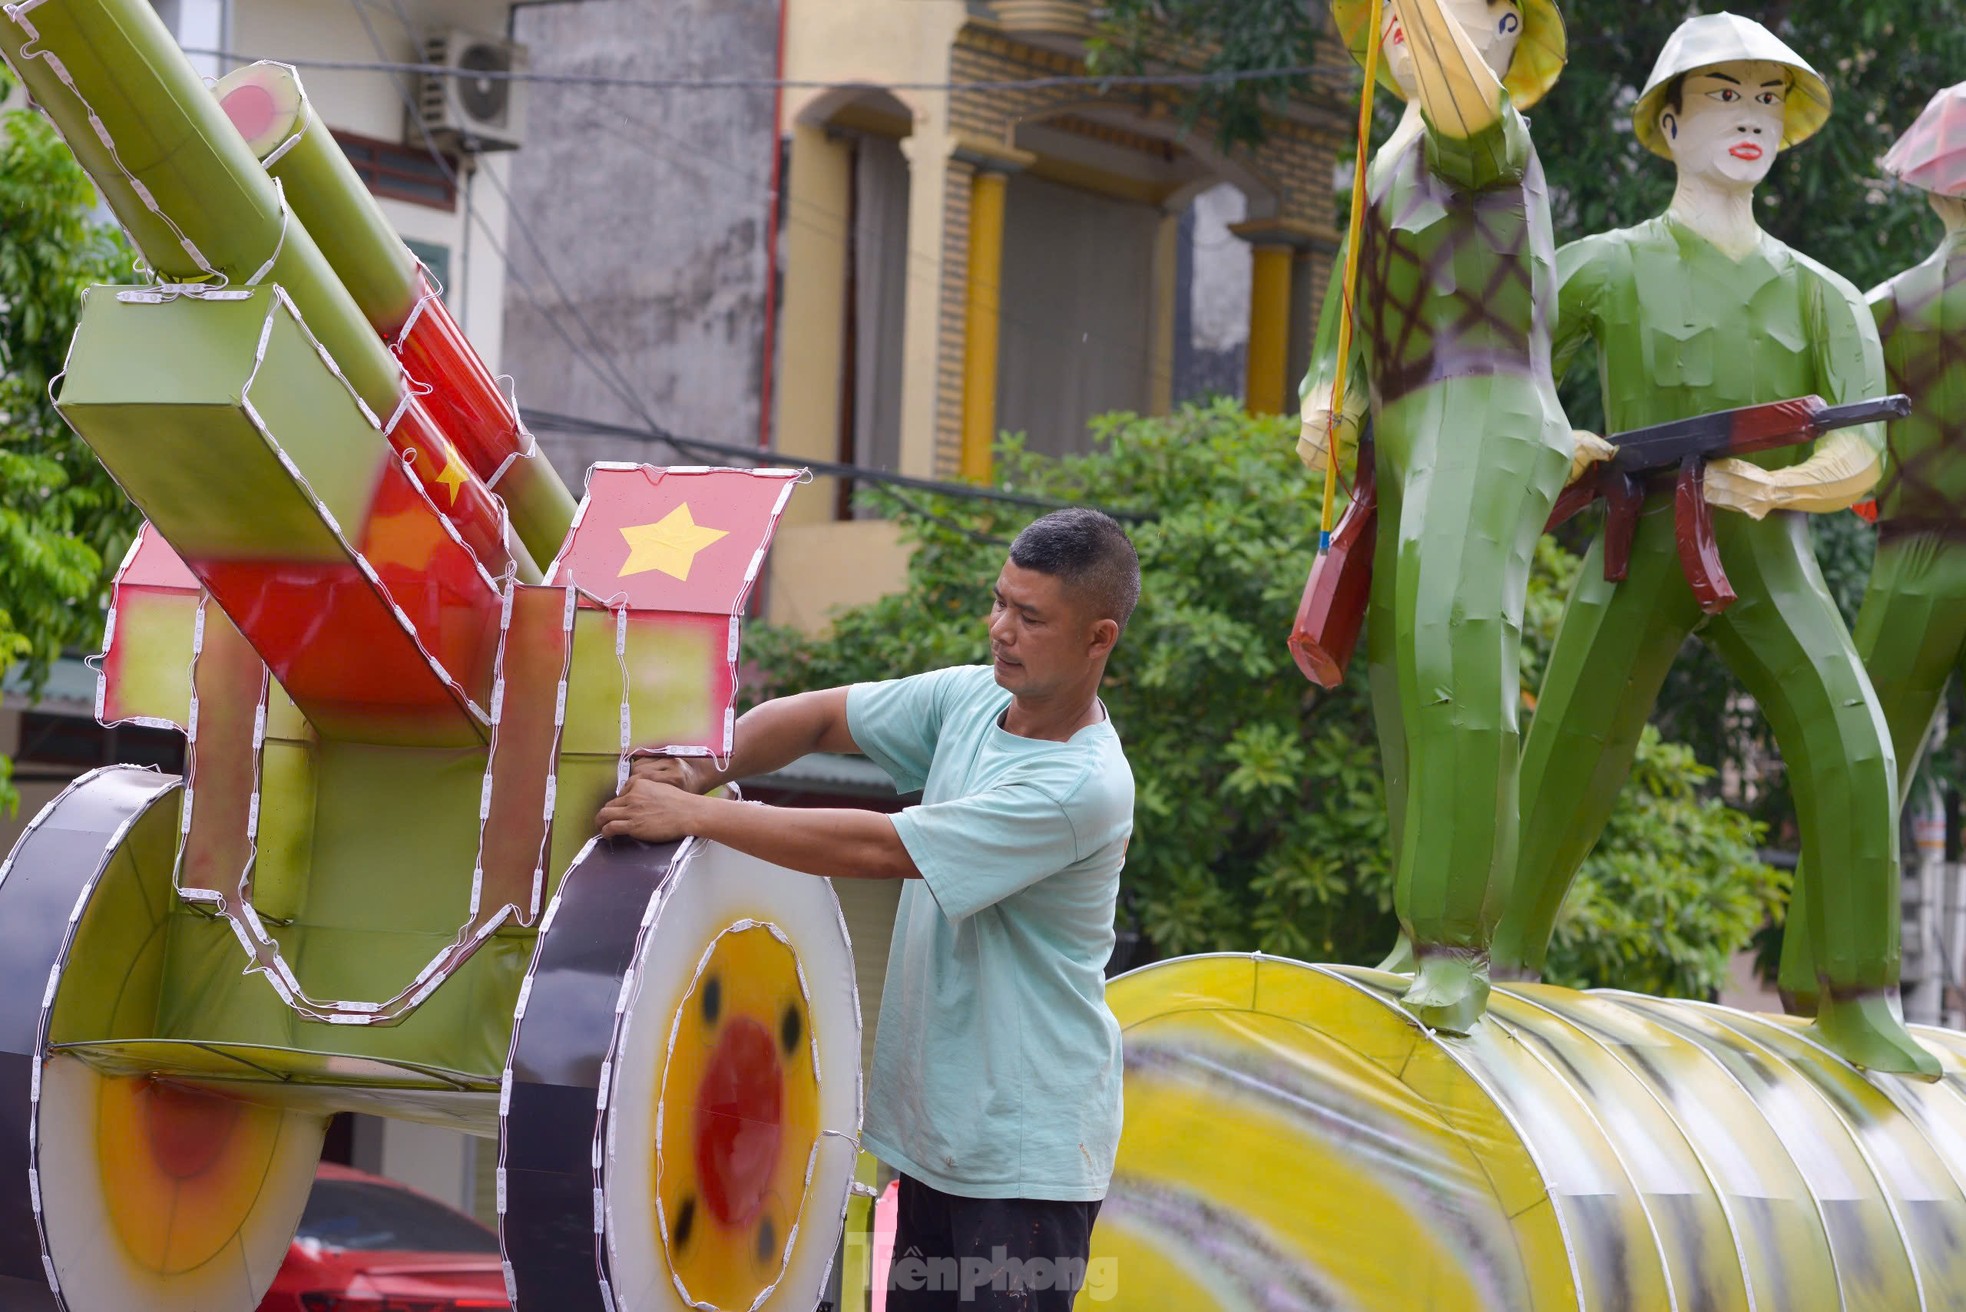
x=159, y=391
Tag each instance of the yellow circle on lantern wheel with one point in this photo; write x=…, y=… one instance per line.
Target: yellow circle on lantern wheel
x=182, y=1168
x=737, y=1119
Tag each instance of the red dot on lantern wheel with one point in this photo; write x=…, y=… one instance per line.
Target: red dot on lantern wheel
x=252, y=110
x=739, y=1107
x=187, y=1128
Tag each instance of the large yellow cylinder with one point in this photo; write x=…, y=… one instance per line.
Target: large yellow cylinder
x=1293, y=1138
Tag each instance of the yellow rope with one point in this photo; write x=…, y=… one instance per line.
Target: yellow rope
x=1348, y=288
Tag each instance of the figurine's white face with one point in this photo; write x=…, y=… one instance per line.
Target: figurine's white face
x=1728, y=126
x=1493, y=25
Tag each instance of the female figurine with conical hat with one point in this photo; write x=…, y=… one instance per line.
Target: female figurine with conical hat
x=1911, y=630
x=1456, y=300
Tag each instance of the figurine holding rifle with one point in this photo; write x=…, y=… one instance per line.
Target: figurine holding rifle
x=1696, y=311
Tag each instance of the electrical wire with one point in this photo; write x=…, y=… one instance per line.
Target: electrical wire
x=1226, y=77
x=596, y=357
x=550, y=422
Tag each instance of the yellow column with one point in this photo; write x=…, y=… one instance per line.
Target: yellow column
x=1269, y=329
x=1274, y=243
x=981, y=321
x=812, y=307
x=1167, y=259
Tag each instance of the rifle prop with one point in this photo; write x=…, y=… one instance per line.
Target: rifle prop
x=1335, y=596
x=1333, y=609
x=1680, y=450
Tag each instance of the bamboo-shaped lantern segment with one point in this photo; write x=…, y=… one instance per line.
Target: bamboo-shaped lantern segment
x=268, y=105
x=200, y=208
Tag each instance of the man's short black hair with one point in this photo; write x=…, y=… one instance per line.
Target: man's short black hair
x=1089, y=552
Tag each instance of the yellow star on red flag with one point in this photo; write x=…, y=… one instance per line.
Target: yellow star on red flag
x=670, y=544
x=451, y=473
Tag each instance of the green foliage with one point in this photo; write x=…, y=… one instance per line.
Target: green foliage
x=1673, y=890
x=1260, y=819
x=1237, y=37
x=61, y=517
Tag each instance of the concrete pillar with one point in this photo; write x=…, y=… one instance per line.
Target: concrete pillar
x=812, y=309
x=1273, y=292
x=991, y=164
x=1269, y=329
x=1166, y=272
x=428, y=1159
x=981, y=321
x=929, y=169
x=1926, y=968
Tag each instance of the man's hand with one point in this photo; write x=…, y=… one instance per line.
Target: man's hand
x=655, y=812
x=1590, y=450
x=692, y=774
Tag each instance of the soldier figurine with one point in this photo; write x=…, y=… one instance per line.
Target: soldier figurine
x=1911, y=631
x=1696, y=311
x=1457, y=287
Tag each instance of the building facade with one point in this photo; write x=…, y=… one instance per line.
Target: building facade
x=864, y=231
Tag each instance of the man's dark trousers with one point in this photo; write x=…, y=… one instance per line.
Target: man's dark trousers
x=987, y=1254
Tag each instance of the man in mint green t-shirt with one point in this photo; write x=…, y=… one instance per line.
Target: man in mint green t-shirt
x=996, y=1081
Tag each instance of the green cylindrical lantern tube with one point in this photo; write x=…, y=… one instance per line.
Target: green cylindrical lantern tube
x=199, y=207
x=269, y=107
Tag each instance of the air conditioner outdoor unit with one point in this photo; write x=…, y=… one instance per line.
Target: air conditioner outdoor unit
x=463, y=107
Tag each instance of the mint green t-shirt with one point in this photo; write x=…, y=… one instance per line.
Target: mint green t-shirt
x=996, y=1061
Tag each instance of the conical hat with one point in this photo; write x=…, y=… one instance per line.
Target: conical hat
x=1931, y=155
x=1713, y=39
x=1533, y=69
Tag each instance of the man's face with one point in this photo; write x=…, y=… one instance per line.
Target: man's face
x=1041, y=638
x=1493, y=25
x=1729, y=124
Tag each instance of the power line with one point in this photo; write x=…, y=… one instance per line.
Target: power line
x=609, y=373
x=654, y=432
x=1226, y=77
x=697, y=447
x=595, y=356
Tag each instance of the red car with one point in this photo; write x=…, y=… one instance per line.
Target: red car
x=367, y=1244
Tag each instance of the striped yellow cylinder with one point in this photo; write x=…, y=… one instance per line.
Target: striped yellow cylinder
x=1294, y=1138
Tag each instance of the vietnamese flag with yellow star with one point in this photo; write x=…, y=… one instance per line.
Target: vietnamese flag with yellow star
x=687, y=540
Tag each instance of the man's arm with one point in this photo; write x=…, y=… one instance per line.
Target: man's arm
x=840, y=844
x=769, y=736
x=1579, y=281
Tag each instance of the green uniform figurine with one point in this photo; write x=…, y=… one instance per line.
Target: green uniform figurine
x=1692, y=312
x=1911, y=631
x=1457, y=285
